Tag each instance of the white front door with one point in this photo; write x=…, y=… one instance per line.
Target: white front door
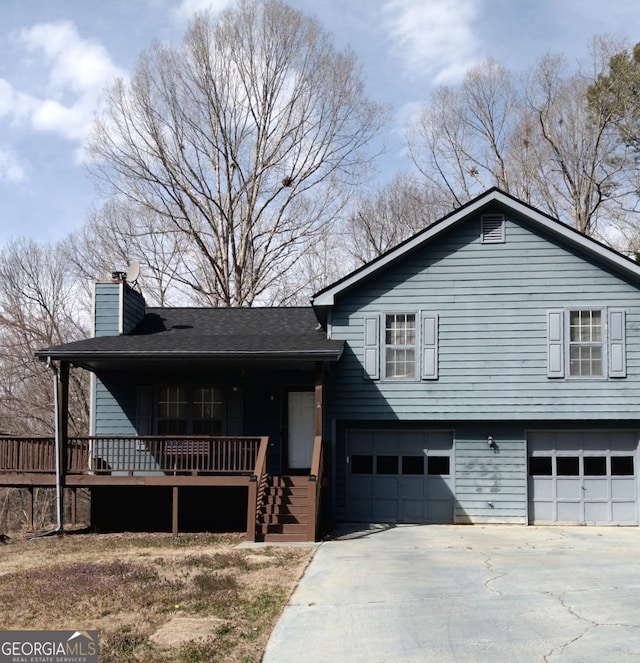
x=301, y=428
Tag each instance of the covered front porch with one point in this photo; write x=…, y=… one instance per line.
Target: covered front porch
x=173, y=463
x=193, y=397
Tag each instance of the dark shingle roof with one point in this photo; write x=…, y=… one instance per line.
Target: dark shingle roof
x=208, y=333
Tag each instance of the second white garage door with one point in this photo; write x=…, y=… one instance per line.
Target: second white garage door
x=583, y=477
x=404, y=476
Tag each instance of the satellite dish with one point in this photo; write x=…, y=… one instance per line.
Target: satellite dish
x=133, y=271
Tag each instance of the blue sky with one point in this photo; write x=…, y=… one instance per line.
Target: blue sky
x=56, y=56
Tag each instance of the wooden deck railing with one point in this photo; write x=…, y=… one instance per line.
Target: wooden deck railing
x=315, y=477
x=257, y=488
x=107, y=454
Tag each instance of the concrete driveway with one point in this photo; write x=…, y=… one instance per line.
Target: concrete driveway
x=439, y=593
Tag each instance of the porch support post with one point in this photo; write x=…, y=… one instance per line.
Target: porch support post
x=63, y=428
x=64, y=414
x=319, y=396
x=315, y=480
x=174, y=512
x=252, y=499
x=30, y=507
x=74, y=506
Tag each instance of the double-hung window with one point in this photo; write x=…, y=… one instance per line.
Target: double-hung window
x=400, y=346
x=586, y=339
x=586, y=343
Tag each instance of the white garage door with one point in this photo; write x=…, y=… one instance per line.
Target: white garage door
x=404, y=476
x=583, y=477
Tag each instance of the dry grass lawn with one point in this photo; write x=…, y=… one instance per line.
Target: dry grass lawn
x=153, y=598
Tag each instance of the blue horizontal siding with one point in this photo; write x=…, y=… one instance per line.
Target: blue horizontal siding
x=115, y=407
x=492, y=301
x=107, y=309
x=134, y=309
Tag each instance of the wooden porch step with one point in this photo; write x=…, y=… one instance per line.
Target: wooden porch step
x=283, y=538
x=286, y=509
x=284, y=514
x=282, y=519
x=289, y=481
x=281, y=532
x=300, y=491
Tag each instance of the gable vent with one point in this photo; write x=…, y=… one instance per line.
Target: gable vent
x=492, y=228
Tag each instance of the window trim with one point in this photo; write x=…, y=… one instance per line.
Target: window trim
x=586, y=324
x=386, y=347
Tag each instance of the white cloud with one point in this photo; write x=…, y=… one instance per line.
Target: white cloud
x=14, y=105
x=76, y=64
x=187, y=8
x=12, y=170
x=434, y=37
x=76, y=71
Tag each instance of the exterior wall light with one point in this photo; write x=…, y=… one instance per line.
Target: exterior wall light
x=491, y=442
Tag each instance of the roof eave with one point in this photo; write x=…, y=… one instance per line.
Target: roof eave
x=87, y=358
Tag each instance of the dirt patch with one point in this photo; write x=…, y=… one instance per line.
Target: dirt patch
x=179, y=631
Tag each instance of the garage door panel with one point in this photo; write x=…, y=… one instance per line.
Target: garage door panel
x=439, y=489
x=363, y=485
x=596, y=512
x=569, y=511
x=385, y=510
x=544, y=488
x=596, y=489
x=623, y=489
x=543, y=512
x=361, y=509
x=624, y=512
x=412, y=510
x=567, y=488
x=412, y=488
x=440, y=511
x=397, y=476
x=582, y=477
x=361, y=443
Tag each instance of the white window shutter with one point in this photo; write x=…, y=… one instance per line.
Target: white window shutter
x=617, y=344
x=555, y=344
x=429, y=345
x=372, y=347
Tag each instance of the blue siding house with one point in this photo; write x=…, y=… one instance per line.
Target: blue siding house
x=486, y=370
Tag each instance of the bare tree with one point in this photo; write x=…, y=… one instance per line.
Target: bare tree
x=537, y=139
x=392, y=214
x=576, y=155
x=460, y=143
x=38, y=308
x=242, y=145
x=115, y=235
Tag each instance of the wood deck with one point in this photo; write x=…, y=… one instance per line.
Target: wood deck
x=175, y=462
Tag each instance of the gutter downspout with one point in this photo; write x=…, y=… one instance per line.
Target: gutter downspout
x=56, y=423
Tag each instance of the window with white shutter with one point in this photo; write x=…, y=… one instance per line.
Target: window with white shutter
x=586, y=343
